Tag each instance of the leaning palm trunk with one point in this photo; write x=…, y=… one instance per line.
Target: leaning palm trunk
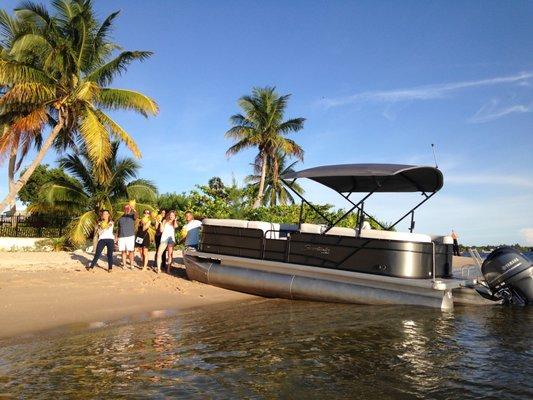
x=15, y=188
x=259, y=199
x=11, y=180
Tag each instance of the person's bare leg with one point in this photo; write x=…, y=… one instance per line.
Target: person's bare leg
x=159, y=258
x=130, y=254
x=145, y=257
x=170, y=251
x=124, y=259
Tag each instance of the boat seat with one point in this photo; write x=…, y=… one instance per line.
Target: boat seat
x=288, y=227
x=391, y=235
x=341, y=231
x=312, y=228
x=270, y=231
x=233, y=223
x=442, y=239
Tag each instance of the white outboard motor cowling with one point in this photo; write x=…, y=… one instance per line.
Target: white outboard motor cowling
x=509, y=275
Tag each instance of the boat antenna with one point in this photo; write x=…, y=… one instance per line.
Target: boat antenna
x=434, y=156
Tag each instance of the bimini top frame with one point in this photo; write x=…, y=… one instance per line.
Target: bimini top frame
x=346, y=179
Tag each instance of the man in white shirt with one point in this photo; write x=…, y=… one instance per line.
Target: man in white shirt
x=190, y=234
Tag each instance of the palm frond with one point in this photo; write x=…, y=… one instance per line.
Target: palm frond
x=34, y=93
x=239, y=146
x=119, y=133
x=96, y=139
x=31, y=43
x=32, y=122
x=82, y=227
x=73, y=164
x=12, y=72
x=105, y=74
x=141, y=192
x=29, y=9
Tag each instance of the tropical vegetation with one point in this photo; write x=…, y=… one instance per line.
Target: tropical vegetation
x=82, y=195
x=262, y=126
x=55, y=70
x=276, y=191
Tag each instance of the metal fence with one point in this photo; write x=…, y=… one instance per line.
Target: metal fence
x=48, y=226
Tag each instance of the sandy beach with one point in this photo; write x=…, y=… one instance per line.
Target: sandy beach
x=42, y=291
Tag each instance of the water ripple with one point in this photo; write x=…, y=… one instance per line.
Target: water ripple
x=275, y=348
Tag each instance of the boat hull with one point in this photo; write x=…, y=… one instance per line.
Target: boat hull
x=299, y=282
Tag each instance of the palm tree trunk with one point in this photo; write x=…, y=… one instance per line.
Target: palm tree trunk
x=13, y=191
x=11, y=179
x=259, y=199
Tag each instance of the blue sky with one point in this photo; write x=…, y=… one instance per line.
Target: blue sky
x=377, y=82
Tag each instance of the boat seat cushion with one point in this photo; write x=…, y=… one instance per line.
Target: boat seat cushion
x=269, y=229
x=341, y=231
x=234, y=223
x=312, y=228
x=391, y=235
x=442, y=239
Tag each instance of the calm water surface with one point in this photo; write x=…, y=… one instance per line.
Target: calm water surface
x=280, y=349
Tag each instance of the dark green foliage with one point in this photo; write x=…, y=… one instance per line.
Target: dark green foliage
x=217, y=200
x=43, y=174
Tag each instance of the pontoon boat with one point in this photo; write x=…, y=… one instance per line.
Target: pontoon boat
x=353, y=265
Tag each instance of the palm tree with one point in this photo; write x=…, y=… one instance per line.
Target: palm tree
x=276, y=191
x=58, y=70
x=262, y=126
x=83, y=195
x=18, y=130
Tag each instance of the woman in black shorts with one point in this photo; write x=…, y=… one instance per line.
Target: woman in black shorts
x=142, y=239
x=158, y=223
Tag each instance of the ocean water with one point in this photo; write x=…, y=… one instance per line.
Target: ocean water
x=266, y=349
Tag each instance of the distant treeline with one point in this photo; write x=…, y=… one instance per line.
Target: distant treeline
x=489, y=248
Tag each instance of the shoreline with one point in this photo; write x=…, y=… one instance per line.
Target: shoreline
x=42, y=292
x=45, y=292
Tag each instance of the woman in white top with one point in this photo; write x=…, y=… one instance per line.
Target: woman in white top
x=106, y=239
x=168, y=240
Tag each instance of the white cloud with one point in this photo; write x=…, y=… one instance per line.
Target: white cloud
x=425, y=92
x=492, y=110
x=527, y=234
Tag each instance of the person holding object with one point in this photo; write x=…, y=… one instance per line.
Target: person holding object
x=126, y=233
x=105, y=240
x=190, y=233
x=168, y=240
x=455, y=244
x=159, y=217
x=142, y=240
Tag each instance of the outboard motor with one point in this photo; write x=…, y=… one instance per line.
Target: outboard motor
x=509, y=275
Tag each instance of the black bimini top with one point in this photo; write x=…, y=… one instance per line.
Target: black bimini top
x=374, y=177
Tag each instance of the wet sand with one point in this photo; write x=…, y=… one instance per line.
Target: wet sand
x=42, y=291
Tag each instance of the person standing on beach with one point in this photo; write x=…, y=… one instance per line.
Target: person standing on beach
x=126, y=234
x=158, y=231
x=168, y=240
x=105, y=240
x=455, y=244
x=190, y=234
x=142, y=240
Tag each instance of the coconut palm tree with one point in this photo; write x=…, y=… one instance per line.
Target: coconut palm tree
x=18, y=130
x=276, y=191
x=58, y=70
x=83, y=195
x=262, y=126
